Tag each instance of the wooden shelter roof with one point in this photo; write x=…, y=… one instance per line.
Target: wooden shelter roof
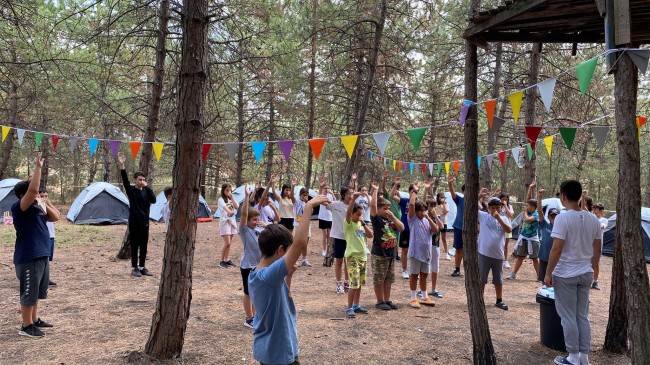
x=554, y=21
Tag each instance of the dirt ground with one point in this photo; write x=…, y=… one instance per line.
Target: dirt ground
x=102, y=314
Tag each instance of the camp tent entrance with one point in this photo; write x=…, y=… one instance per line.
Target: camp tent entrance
x=100, y=203
x=609, y=238
x=7, y=195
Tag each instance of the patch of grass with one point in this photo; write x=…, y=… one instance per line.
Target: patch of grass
x=66, y=235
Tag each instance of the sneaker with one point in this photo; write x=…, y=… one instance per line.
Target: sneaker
x=383, y=306
x=349, y=312
x=223, y=264
x=506, y=265
x=436, y=294
x=405, y=274
x=595, y=285
x=52, y=283
x=501, y=305
x=230, y=263
x=563, y=360
x=42, y=324
x=135, y=272
x=249, y=323
x=391, y=305
x=31, y=331
x=305, y=263
x=339, y=289
x=419, y=294
x=452, y=252
x=323, y=253
x=447, y=257
x=398, y=258
x=428, y=302
x=346, y=286
x=456, y=273
x=367, y=251
x=512, y=276
x=361, y=310
x=145, y=272
x=414, y=303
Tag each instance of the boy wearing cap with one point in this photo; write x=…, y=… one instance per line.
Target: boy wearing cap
x=491, y=239
x=545, y=228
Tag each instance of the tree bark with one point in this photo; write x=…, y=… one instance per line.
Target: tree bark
x=483, y=350
x=13, y=120
x=628, y=210
x=169, y=322
x=312, y=91
x=533, y=74
x=616, y=333
x=647, y=186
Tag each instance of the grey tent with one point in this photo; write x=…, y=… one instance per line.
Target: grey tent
x=7, y=195
x=100, y=203
x=155, y=212
x=239, y=194
x=609, y=237
x=546, y=204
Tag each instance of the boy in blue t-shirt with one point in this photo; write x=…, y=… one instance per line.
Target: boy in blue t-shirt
x=275, y=337
x=528, y=242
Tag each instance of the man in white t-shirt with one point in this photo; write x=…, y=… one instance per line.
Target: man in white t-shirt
x=575, y=254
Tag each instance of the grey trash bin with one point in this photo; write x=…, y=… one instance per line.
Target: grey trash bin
x=550, y=325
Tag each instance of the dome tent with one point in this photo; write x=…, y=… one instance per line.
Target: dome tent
x=155, y=213
x=100, y=203
x=7, y=195
x=609, y=237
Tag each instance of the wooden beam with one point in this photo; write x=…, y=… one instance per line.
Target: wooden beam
x=516, y=9
x=543, y=37
x=622, y=22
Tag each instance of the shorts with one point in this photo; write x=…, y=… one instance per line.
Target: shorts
x=383, y=270
x=228, y=229
x=458, y=239
x=339, y=247
x=34, y=278
x=416, y=266
x=444, y=228
x=485, y=264
x=356, y=272
x=323, y=224
x=522, y=250
x=287, y=223
x=244, y=279
x=404, y=237
x=434, y=265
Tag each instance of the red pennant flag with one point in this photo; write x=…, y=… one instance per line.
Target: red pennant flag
x=640, y=121
x=502, y=157
x=532, y=132
x=490, y=106
x=206, y=150
x=456, y=167
x=316, y=146
x=55, y=141
x=424, y=168
x=135, y=147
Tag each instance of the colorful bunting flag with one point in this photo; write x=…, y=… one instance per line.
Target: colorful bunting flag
x=316, y=145
x=532, y=132
x=546, y=89
x=21, y=135
x=502, y=157
x=515, y=156
x=400, y=165
x=115, y=146
x=135, y=148
x=463, y=113
x=381, y=140
x=585, y=71
x=447, y=164
x=349, y=142
x=5, y=132
x=424, y=168
x=411, y=168
x=157, y=149
x=55, y=141
x=479, y=162
x=568, y=136
x=456, y=167
x=92, y=145
x=258, y=150
x=515, y=103
x=640, y=58
x=490, y=107
x=431, y=169
x=600, y=134
x=640, y=121
x=286, y=147
x=73, y=143
x=530, y=151
x=38, y=137
x=394, y=165
x=490, y=160
x=205, y=151
x=548, y=142
x=496, y=126
x=439, y=168
x=416, y=137
x=233, y=148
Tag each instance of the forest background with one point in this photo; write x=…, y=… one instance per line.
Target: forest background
x=288, y=70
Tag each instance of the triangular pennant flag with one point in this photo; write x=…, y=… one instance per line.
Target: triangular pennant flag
x=530, y=151
x=456, y=163
x=349, y=142
x=370, y=154
x=490, y=107
x=640, y=121
x=205, y=151
x=21, y=135
x=38, y=137
x=115, y=145
x=532, y=132
x=157, y=149
x=5, y=132
x=585, y=71
x=438, y=168
x=568, y=135
x=73, y=143
x=640, y=58
x=286, y=147
x=496, y=126
x=135, y=148
x=424, y=168
x=463, y=114
x=400, y=165
x=548, y=142
x=502, y=157
x=447, y=164
x=232, y=149
x=394, y=165
x=316, y=145
x=431, y=169
x=92, y=145
x=546, y=89
x=411, y=168
x=600, y=133
x=515, y=103
x=416, y=137
x=55, y=141
x=478, y=160
x=258, y=150
x=406, y=166
x=490, y=160
x=515, y=154
x=381, y=140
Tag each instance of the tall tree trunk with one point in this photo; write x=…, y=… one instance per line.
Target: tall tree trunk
x=486, y=176
x=240, y=132
x=169, y=322
x=628, y=211
x=269, y=147
x=616, y=333
x=647, y=186
x=483, y=350
x=13, y=120
x=312, y=90
x=533, y=74
x=153, y=115
x=360, y=119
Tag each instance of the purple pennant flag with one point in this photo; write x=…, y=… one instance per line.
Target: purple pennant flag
x=115, y=145
x=286, y=147
x=463, y=114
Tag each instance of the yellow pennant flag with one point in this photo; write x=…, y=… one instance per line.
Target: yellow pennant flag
x=349, y=142
x=515, y=103
x=5, y=132
x=447, y=164
x=394, y=165
x=548, y=142
x=157, y=149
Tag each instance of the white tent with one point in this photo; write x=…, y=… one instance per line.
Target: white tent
x=100, y=203
x=155, y=213
x=7, y=195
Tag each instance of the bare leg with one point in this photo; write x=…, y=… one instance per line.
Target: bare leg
x=225, y=250
x=443, y=236
x=352, y=295
x=405, y=253
x=423, y=282
x=379, y=293
x=248, y=306
x=536, y=266
x=28, y=314
x=434, y=280
x=505, y=250
x=357, y=296
x=520, y=260
x=387, y=291
x=338, y=269
x=413, y=282
x=458, y=258
x=498, y=288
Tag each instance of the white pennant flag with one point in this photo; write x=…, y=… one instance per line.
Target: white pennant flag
x=546, y=89
x=21, y=135
x=489, y=160
x=381, y=139
x=517, y=155
x=431, y=169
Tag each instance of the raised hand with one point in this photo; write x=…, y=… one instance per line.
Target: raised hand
x=121, y=158
x=427, y=183
x=274, y=178
x=484, y=191
x=323, y=180
x=247, y=190
x=375, y=185
x=416, y=185
x=355, y=195
x=451, y=178
x=585, y=192
x=384, y=175
x=398, y=179
x=533, y=184
x=39, y=159
x=354, y=176
x=541, y=192
x=318, y=199
x=294, y=180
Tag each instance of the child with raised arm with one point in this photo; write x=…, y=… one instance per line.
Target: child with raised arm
x=325, y=216
x=356, y=230
x=249, y=231
x=435, y=248
x=275, y=336
x=268, y=212
x=419, y=252
x=385, y=227
x=286, y=200
x=458, y=223
x=528, y=242
x=337, y=237
x=298, y=209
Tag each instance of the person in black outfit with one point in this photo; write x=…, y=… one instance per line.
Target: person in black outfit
x=140, y=199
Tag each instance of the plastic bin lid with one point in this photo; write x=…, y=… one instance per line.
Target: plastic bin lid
x=546, y=292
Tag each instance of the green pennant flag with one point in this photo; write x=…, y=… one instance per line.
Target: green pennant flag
x=568, y=136
x=585, y=71
x=38, y=137
x=439, y=167
x=416, y=136
x=530, y=151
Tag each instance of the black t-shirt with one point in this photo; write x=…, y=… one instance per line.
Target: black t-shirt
x=139, y=201
x=384, y=241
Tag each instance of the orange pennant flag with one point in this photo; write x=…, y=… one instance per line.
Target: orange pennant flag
x=456, y=167
x=400, y=165
x=490, y=107
x=135, y=148
x=640, y=121
x=316, y=145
